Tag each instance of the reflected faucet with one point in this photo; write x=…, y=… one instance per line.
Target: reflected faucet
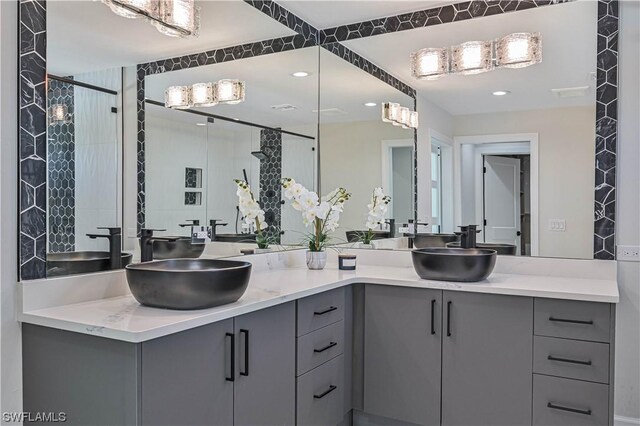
x=115, y=245
x=468, y=236
x=413, y=234
x=192, y=222
x=214, y=223
x=146, y=243
x=392, y=227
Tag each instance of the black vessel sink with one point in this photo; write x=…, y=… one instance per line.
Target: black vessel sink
x=188, y=283
x=81, y=262
x=501, y=249
x=450, y=264
x=236, y=238
x=355, y=236
x=180, y=248
x=434, y=240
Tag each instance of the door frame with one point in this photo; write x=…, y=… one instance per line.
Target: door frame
x=447, y=221
x=387, y=167
x=510, y=140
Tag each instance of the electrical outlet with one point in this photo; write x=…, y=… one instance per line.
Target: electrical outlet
x=628, y=253
x=557, y=225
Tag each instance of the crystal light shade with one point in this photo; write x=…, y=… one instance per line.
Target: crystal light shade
x=519, y=50
x=178, y=18
x=430, y=63
x=414, y=122
x=403, y=119
x=59, y=114
x=390, y=112
x=178, y=97
x=472, y=57
x=133, y=8
x=228, y=91
x=202, y=95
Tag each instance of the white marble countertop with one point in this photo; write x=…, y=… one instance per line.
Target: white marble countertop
x=122, y=318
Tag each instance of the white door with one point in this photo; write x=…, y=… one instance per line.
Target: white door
x=502, y=200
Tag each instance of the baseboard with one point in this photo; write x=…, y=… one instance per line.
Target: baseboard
x=625, y=421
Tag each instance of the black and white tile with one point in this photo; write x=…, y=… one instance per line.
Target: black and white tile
x=33, y=139
x=270, y=176
x=61, y=172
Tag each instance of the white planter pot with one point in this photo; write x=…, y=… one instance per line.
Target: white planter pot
x=316, y=260
x=262, y=250
x=365, y=246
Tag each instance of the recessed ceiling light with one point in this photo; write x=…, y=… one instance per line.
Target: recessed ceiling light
x=300, y=74
x=500, y=92
x=201, y=124
x=370, y=104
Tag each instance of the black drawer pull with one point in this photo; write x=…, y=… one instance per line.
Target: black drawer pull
x=571, y=321
x=246, y=353
x=329, y=346
x=570, y=361
x=325, y=393
x=433, y=316
x=326, y=311
x=449, y=318
x=569, y=409
x=233, y=358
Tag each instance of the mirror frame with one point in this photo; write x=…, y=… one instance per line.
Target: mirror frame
x=32, y=114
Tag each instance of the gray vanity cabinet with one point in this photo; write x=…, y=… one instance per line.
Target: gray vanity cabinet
x=265, y=379
x=486, y=359
x=402, y=358
x=185, y=377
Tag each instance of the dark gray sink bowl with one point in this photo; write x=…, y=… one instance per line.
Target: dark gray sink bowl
x=177, y=249
x=236, y=238
x=502, y=249
x=188, y=283
x=450, y=264
x=434, y=240
x=81, y=262
x=355, y=236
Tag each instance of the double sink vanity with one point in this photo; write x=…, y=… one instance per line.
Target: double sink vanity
x=532, y=344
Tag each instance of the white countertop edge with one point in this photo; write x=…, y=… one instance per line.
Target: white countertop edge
x=40, y=317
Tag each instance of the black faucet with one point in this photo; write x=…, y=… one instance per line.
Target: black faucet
x=468, y=236
x=392, y=227
x=214, y=223
x=115, y=245
x=412, y=235
x=146, y=243
x=192, y=222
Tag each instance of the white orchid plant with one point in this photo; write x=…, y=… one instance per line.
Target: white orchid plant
x=252, y=214
x=321, y=213
x=377, y=212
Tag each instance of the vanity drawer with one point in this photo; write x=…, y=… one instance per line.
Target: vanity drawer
x=320, y=310
x=558, y=401
x=320, y=346
x=572, y=319
x=321, y=394
x=574, y=359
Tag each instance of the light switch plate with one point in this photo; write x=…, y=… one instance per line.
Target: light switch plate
x=628, y=253
x=557, y=225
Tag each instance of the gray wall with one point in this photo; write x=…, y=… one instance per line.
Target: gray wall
x=627, y=379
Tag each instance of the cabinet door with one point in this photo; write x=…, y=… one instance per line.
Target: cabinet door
x=185, y=376
x=402, y=353
x=264, y=392
x=487, y=349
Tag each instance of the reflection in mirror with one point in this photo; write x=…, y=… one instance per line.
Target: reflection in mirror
x=510, y=150
x=195, y=154
x=358, y=151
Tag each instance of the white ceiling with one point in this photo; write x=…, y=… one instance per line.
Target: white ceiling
x=86, y=36
x=569, y=56
x=332, y=13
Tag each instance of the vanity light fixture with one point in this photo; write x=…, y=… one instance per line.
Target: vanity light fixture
x=177, y=97
x=430, y=63
x=229, y=91
x=472, y=57
x=300, y=74
x=500, y=92
x=204, y=94
x=59, y=114
x=519, y=50
x=176, y=18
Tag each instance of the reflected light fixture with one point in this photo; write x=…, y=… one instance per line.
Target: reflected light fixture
x=228, y=91
x=202, y=95
x=399, y=116
x=176, y=18
x=403, y=119
x=519, y=50
x=414, y=121
x=59, y=114
x=300, y=74
x=472, y=57
x=177, y=97
x=430, y=63
x=390, y=112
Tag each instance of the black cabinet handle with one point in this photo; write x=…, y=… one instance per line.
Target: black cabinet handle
x=246, y=352
x=449, y=318
x=329, y=346
x=571, y=321
x=569, y=409
x=233, y=358
x=325, y=393
x=326, y=311
x=433, y=316
x=571, y=361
